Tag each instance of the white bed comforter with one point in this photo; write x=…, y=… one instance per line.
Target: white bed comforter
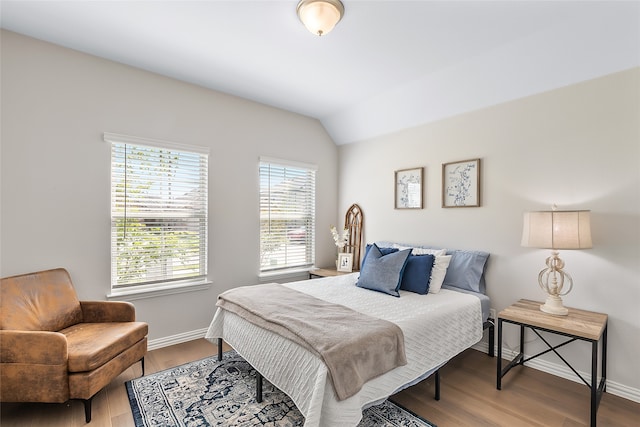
x=436, y=327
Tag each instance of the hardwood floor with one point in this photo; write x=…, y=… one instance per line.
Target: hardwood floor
x=469, y=397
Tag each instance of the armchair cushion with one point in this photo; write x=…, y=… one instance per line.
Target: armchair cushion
x=28, y=303
x=91, y=345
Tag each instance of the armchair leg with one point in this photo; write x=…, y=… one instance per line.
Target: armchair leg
x=87, y=409
x=87, y=402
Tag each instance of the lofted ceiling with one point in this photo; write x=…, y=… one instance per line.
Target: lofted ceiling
x=387, y=65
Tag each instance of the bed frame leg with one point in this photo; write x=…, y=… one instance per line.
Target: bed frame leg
x=438, y=384
x=219, y=349
x=490, y=324
x=492, y=338
x=258, y=387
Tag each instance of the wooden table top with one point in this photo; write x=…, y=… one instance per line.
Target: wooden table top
x=581, y=323
x=327, y=272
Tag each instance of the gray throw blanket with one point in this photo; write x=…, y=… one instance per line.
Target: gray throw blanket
x=355, y=347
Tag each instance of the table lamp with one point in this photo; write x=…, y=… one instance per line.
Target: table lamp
x=556, y=230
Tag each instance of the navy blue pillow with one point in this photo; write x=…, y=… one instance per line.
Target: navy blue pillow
x=383, y=273
x=417, y=274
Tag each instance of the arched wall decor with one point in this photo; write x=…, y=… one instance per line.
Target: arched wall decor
x=354, y=222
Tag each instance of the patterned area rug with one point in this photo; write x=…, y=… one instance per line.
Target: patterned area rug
x=211, y=393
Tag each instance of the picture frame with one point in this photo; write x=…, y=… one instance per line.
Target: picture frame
x=345, y=262
x=461, y=184
x=408, y=188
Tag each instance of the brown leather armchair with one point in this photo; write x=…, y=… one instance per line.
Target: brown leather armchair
x=54, y=347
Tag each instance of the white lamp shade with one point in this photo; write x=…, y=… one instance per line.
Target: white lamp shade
x=320, y=16
x=557, y=230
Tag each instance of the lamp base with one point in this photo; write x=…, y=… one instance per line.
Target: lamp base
x=553, y=305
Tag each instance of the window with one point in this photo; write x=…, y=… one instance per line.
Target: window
x=158, y=212
x=287, y=215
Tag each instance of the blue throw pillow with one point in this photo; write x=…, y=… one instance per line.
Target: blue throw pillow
x=385, y=251
x=417, y=274
x=383, y=273
x=466, y=270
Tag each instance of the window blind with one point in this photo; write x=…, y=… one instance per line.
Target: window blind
x=287, y=214
x=158, y=212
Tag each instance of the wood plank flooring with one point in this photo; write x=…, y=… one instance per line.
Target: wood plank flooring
x=469, y=397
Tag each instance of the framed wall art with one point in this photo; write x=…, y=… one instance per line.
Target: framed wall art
x=345, y=262
x=408, y=188
x=461, y=184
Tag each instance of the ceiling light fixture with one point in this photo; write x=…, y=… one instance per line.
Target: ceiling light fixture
x=320, y=16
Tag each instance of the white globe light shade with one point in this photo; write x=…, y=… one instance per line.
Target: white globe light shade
x=320, y=16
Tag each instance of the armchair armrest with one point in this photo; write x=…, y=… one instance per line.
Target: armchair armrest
x=33, y=347
x=107, y=311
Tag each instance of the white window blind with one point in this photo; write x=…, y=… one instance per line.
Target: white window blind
x=287, y=214
x=158, y=212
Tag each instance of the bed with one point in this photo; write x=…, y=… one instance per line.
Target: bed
x=436, y=327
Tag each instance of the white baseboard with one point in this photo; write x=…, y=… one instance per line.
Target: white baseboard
x=613, y=387
x=562, y=371
x=482, y=346
x=176, y=339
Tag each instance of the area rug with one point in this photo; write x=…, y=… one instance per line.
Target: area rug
x=211, y=393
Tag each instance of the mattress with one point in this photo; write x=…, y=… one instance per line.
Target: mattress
x=436, y=327
x=485, y=301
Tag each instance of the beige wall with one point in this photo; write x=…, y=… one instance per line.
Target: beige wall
x=56, y=104
x=578, y=147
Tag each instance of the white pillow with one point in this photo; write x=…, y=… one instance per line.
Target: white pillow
x=421, y=251
x=440, y=264
x=438, y=272
x=425, y=251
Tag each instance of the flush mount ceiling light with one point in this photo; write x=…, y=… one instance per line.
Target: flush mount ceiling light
x=320, y=16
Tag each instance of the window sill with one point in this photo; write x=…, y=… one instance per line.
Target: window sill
x=158, y=290
x=294, y=273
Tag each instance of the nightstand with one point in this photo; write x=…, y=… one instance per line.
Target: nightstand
x=326, y=272
x=577, y=325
